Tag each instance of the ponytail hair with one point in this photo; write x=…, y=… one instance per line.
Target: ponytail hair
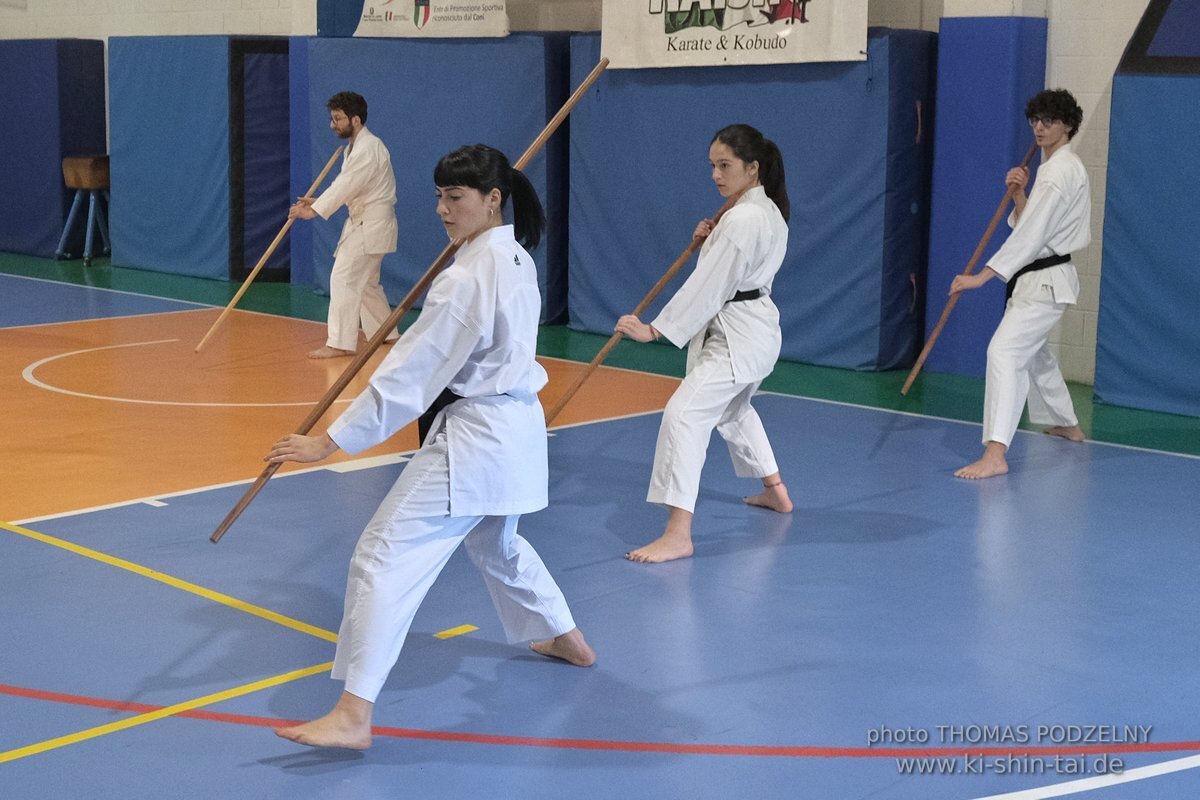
x=750, y=145
x=483, y=168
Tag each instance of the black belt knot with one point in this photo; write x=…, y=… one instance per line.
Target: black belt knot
x=1041, y=263
x=749, y=294
x=425, y=421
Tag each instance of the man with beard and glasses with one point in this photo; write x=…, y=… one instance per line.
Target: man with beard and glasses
x=366, y=185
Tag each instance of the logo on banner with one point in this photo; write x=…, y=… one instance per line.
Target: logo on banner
x=673, y=33
x=724, y=15
x=420, y=13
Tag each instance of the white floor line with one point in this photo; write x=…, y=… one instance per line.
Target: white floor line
x=974, y=424
x=1100, y=781
x=27, y=374
x=105, y=289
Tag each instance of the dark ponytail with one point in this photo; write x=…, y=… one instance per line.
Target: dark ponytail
x=484, y=168
x=750, y=145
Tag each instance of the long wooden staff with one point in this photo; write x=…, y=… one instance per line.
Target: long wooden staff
x=394, y=319
x=642, y=306
x=287, y=226
x=937, y=329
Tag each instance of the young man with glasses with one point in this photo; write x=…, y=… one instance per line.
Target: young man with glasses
x=1048, y=224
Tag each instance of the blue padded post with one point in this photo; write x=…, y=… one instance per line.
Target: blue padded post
x=988, y=67
x=1149, y=332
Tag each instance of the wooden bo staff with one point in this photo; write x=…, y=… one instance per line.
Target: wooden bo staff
x=287, y=226
x=937, y=329
x=646, y=301
x=394, y=318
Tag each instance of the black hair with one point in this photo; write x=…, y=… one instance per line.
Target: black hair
x=483, y=168
x=1056, y=104
x=352, y=104
x=750, y=145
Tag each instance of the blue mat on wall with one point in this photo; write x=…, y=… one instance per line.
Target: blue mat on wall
x=988, y=67
x=1148, y=338
x=857, y=176
x=54, y=91
x=424, y=99
x=169, y=131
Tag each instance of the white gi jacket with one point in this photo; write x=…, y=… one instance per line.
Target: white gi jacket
x=1056, y=220
x=366, y=185
x=477, y=335
x=743, y=253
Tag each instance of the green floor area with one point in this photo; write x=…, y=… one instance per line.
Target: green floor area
x=934, y=394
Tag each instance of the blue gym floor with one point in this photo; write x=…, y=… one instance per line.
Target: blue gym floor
x=140, y=661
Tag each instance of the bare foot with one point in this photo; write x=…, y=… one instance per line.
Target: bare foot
x=329, y=352
x=348, y=725
x=992, y=463
x=773, y=497
x=664, y=548
x=570, y=647
x=1072, y=433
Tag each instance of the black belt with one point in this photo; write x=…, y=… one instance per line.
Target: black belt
x=425, y=421
x=751, y=294
x=1041, y=263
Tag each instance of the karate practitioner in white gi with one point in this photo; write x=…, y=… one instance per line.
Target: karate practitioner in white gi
x=1048, y=225
x=724, y=313
x=367, y=186
x=483, y=463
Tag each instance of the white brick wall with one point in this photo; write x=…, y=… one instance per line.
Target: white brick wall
x=100, y=19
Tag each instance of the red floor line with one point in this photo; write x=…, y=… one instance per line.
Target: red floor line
x=629, y=746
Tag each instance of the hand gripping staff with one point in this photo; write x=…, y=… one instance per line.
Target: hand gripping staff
x=393, y=320
x=646, y=301
x=937, y=330
x=287, y=226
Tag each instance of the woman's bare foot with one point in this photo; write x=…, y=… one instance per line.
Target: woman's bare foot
x=1070, y=432
x=664, y=548
x=329, y=352
x=992, y=463
x=348, y=725
x=570, y=647
x=774, y=495
x=675, y=542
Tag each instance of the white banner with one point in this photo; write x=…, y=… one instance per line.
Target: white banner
x=433, y=18
x=696, y=33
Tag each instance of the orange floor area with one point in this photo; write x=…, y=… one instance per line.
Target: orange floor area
x=112, y=410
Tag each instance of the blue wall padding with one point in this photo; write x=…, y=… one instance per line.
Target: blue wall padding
x=266, y=160
x=425, y=98
x=1179, y=32
x=170, y=153
x=1148, y=341
x=988, y=67
x=340, y=17
x=640, y=180
x=57, y=87
x=299, y=239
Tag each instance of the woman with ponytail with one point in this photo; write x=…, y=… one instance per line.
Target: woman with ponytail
x=482, y=463
x=724, y=313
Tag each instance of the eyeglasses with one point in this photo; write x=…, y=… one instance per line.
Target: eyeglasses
x=1045, y=120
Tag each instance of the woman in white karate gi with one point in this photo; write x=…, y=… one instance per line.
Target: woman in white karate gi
x=483, y=463
x=1048, y=225
x=724, y=311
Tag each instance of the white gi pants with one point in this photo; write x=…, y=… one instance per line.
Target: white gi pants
x=401, y=552
x=355, y=295
x=707, y=398
x=1020, y=365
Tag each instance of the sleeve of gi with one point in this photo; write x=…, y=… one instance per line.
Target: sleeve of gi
x=421, y=364
x=1042, y=216
x=722, y=265
x=356, y=172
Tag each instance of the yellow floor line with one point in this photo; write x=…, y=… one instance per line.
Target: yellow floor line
x=162, y=577
x=450, y=633
x=178, y=708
